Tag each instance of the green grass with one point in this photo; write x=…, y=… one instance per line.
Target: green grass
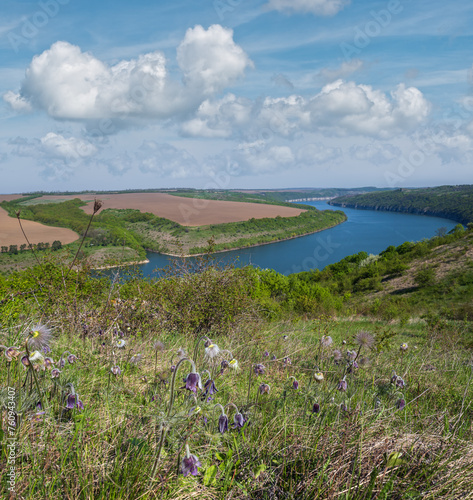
x=360, y=445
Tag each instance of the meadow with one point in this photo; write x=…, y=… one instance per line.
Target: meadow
x=222, y=383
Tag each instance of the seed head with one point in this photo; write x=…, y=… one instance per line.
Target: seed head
x=326, y=341
x=364, y=339
x=38, y=337
x=319, y=376
x=212, y=351
x=264, y=389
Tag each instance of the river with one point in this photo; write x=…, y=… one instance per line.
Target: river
x=365, y=230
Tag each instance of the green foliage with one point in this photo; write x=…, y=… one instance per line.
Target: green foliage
x=452, y=202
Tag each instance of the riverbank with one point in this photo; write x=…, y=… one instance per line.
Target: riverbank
x=249, y=246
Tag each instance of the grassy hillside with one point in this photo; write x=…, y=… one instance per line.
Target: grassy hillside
x=299, y=397
x=451, y=202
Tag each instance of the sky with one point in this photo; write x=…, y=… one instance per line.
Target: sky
x=231, y=94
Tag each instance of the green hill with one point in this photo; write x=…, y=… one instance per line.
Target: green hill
x=451, y=202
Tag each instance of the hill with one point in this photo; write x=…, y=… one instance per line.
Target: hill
x=451, y=202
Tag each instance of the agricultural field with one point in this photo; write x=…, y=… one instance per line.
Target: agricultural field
x=10, y=232
x=190, y=212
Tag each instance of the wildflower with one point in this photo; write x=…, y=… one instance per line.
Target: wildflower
x=259, y=369
x=38, y=416
x=24, y=359
x=400, y=404
x=12, y=353
x=223, y=423
x=337, y=355
x=342, y=385
x=285, y=337
x=194, y=410
x=266, y=354
x=264, y=389
x=55, y=373
x=223, y=364
x=173, y=368
x=403, y=347
x=193, y=382
x=364, y=339
x=115, y=370
x=400, y=382
x=326, y=341
x=37, y=360
x=233, y=364
x=344, y=342
x=71, y=358
x=181, y=353
x=38, y=337
x=158, y=345
x=295, y=384
x=210, y=388
x=316, y=408
x=393, y=377
x=136, y=359
x=319, y=376
x=212, y=351
x=73, y=401
x=351, y=355
x=238, y=421
x=287, y=361
x=120, y=343
x=207, y=343
x=273, y=357
x=48, y=362
x=190, y=464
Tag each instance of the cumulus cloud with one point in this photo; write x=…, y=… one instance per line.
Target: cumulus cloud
x=316, y=153
x=69, y=84
x=317, y=7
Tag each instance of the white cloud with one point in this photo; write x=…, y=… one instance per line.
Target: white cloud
x=69, y=84
x=317, y=7
x=53, y=147
x=315, y=153
x=376, y=152
x=17, y=102
x=346, y=69
x=166, y=160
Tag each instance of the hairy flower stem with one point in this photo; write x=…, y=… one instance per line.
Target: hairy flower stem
x=82, y=241
x=163, y=426
x=34, y=375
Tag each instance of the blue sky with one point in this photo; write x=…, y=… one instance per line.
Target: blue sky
x=235, y=94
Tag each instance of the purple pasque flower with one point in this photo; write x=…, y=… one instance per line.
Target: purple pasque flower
x=190, y=464
x=11, y=353
x=264, y=389
x=400, y=404
x=116, y=370
x=295, y=384
x=400, y=382
x=72, y=358
x=73, y=401
x=48, y=362
x=210, y=388
x=342, y=385
x=55, y=373
x=266, y=354
x=316, y=408
x=193, y=382
x=259, y=369
x=238, y=421
x=25, y=360
x=223, y=423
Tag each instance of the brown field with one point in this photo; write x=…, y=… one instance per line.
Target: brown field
x=186, y=211
x=10, y=232
x=9, y=197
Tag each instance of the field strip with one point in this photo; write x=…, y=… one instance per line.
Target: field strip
x=10, y=232
x=186, y=211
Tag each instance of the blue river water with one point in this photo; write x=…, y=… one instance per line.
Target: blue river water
x=365, y=230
